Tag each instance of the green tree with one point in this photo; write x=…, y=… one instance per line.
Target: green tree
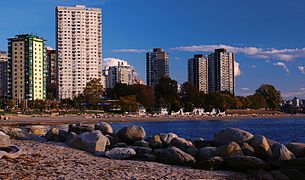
x=257, y=101
x=129, y=104
x=189, y=95
x=92, y=93
x=167, y=94
x=271, y=94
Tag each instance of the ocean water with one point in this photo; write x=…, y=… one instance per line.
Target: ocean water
x=283, y=130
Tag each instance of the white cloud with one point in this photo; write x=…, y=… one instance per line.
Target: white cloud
x=114, y=62
x=253, y=66
x=283, y=65
x=245, y=89
x=255, y=52
x=237, y=71
x=302, y=69
x=129, y=50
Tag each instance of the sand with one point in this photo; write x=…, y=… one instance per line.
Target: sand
x=50, y=160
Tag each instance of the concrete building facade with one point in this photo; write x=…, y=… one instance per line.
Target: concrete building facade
x=157, y=66
x=26, y=68
x=79, y=48
x=3, y=73
x=198, y=72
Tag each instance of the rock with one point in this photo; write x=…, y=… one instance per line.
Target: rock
x=167, y=138
x=113, y=139
x=4, y=139
x=155, y=141
x=78, y=129
x=262, y=174
x=247, y=149
x=146, y=157
x=59, y=135
x=210, y=164
x=181, y=143
x=232, y=134
x=52, y=134
x=298, y=149
x=120, y=153
x=94, y=142
x=141, y=143
x=105, y=128
x=199, y=143
x=228, y=150
x=131, y=134
x=281, y=153
x=293, y=174
x=120, y=144
x=261, y=147
x=205, y=153
x=243, y=163
x=11, y=152
x=141, y=150
x=174, y=156
x=38, y=130
x=192, y=151
x=272, y=143
x=278, y=175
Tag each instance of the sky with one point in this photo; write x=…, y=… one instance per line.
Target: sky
x=267, y=36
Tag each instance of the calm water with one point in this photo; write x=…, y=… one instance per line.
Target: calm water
x=283, y=130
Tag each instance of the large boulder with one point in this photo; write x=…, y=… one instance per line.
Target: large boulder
x=181, y=143
x=243, y=163
x=105, y=128
x=38, y=130
x=120, y=153
x=280, y=152
x=214, y=163
x=11, y=152
x=59, y=135
x=4, y=139
x=155, y=141
x=229, y=149
x=247, y=149
x=131, y=134
x=94, y=142
x=232, y=134
x=298, y=149
x=141, y=143
x=261, y=147
x=175, y=156
x=205, y=153
x=78, y=129
x=167, y=138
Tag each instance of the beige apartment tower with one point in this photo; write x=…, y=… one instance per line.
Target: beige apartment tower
x=198, y=72
x=79, y=48
x=26, y=68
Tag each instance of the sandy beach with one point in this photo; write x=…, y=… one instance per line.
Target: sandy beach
x=50, y=160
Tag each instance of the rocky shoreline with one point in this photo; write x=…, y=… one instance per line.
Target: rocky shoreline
x=250, y=156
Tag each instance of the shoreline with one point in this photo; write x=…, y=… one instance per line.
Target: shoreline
x=86, y=119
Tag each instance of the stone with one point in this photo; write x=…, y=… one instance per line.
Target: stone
x=10, y=152
x=59, y=135
x=281, y=153
x=298, y=149
x=210, y=164
x=155, y=141
x=120, y=144
x=232, y=134
x=174, y=156
x=167, y=138
x=247, y=149
x=199, y=143
x=113, y=139
x=141, y=143
x=192, y=151
x=243, y=163
x=120, y=153
x=146, y=157
x=261, y=147
x=141, y=150
x=38, y=130
x=205, y=153
x=78, y=129
x=4, y=139
x=105, y=128
x=278, y=175
x=94, y=142
x=131, y=134
x=181, y=143
x=228, y=150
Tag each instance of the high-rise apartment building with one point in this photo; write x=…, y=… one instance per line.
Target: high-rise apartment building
x=51, y=73
x=26, y=68
x=198, y=72
x=79, y=48
x=221, y=71
x=121, y=73
x=3, y=73
x=157, y=66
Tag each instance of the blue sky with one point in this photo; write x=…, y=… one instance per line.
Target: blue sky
x=267, y=36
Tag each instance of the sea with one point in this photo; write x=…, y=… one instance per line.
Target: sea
x=283, y=130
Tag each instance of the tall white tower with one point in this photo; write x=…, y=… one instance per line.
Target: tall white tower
x=79, y=48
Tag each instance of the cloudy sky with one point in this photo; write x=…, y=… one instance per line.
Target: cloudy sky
x=267, y=36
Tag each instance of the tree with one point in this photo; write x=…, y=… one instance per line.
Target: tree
x=167, y=94
x=189, y=95
x=129, y=104
x=92, y=93
x=271, y=95
x=257, y=101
